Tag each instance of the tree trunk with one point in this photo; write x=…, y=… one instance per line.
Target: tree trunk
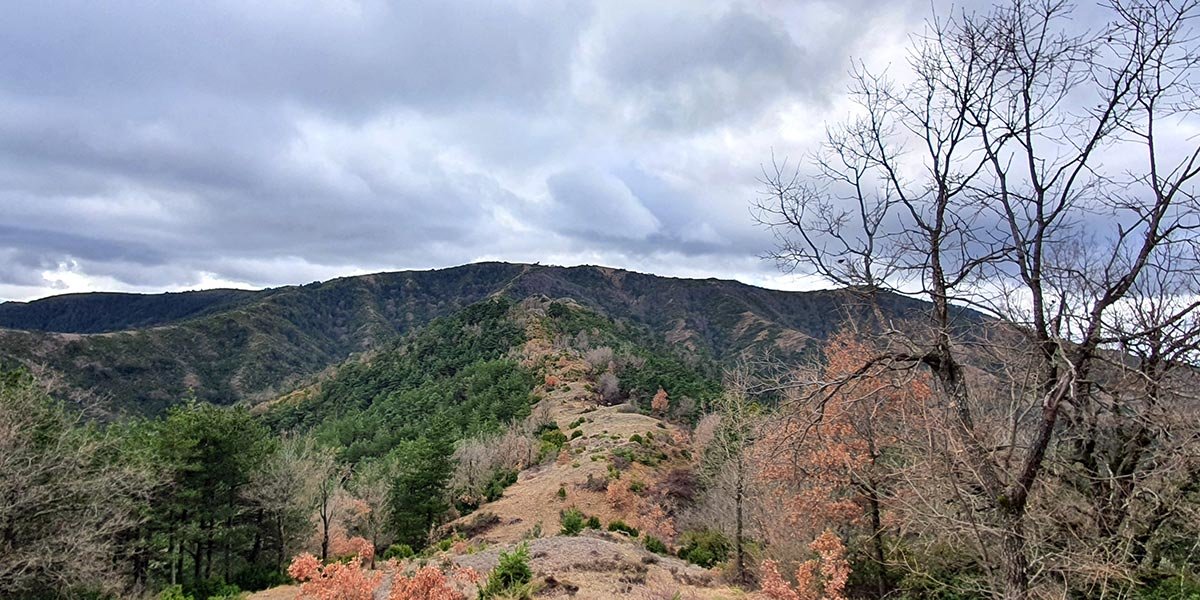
x=739, y=546
x=1016, y=564
x=881, y=580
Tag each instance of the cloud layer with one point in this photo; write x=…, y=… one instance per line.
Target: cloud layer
x=153, y=146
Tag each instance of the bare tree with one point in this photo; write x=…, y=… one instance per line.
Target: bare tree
x=284, y=489
x=727, y=467
x=1038, y=173
x=64, y=498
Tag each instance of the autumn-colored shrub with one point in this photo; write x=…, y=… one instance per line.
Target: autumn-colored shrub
x=821, y=578
x=335, y=581
x=620, y=497
x=660, y=402
x=430, y=583
x=342, y=546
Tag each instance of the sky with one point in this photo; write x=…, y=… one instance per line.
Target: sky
x=161, y=146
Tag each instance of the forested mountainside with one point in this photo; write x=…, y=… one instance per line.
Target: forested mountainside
x=143, y=353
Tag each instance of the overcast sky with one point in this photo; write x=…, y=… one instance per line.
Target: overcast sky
x=153, y=146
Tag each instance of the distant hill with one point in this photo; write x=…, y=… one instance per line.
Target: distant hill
x=145, y=352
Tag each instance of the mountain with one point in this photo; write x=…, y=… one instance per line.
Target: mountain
x=143, y=353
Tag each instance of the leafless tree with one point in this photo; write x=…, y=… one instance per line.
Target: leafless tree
x=284, y=489
x=64, y=498
x=1043, y=175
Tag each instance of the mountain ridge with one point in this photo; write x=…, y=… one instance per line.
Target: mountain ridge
x=248, y=346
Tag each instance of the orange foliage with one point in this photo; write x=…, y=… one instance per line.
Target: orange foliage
x=835, y=435
x=335, y=581
x=660, y=402
x=552, y=381
x=821, y=578
x=657, y=522
x=619, y=496
x=430, y=583
x=357, y=546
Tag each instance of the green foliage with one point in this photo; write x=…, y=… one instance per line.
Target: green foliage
x=511, y=575
x=705, y=547
x=174, y=592
x=499, y=481
x=418, y=499
x=655, y=545
x=593, y=522
x=452, y=371
x=1178, y=586
x=398, y=552
x=619, y=525
x=561, y=493
x=572, y=521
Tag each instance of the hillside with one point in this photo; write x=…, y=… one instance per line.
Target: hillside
x=145, y=353
x=480, y=373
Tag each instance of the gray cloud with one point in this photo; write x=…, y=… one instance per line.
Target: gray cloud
x=161, y=145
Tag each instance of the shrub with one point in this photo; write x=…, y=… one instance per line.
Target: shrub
x=336, y=580
x=704, y=547
x=398, y=552
x=655, y=545
x=561, y=493
x=576, y=434
x=511, y=576
x=637, y=439
x=500, y=480
x=623, y=527
x=593, y=522
x=427, y=584
x=174, y=592
x=554, y=437
x=571, y=520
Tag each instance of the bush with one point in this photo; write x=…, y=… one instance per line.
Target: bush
x=593, y=522
x=704, y=547
x=174, y=592
x=398, y=552
x=621, y=526
x=500, y=480
x=511, y=576
x=578, y=433
x=260, y=578
x=561, y=493
x=655, y=545
x=572, y=521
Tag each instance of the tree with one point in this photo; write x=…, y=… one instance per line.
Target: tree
x=660, y=403
x=829, y=453
x=727, y=467
x=284, y=488
x=66, y=497
x=330, y=477
x=209, y=455
x=371, y=483
x=418, y=495
x=1038, y=174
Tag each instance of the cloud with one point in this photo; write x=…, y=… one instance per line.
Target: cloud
x=152, y=146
